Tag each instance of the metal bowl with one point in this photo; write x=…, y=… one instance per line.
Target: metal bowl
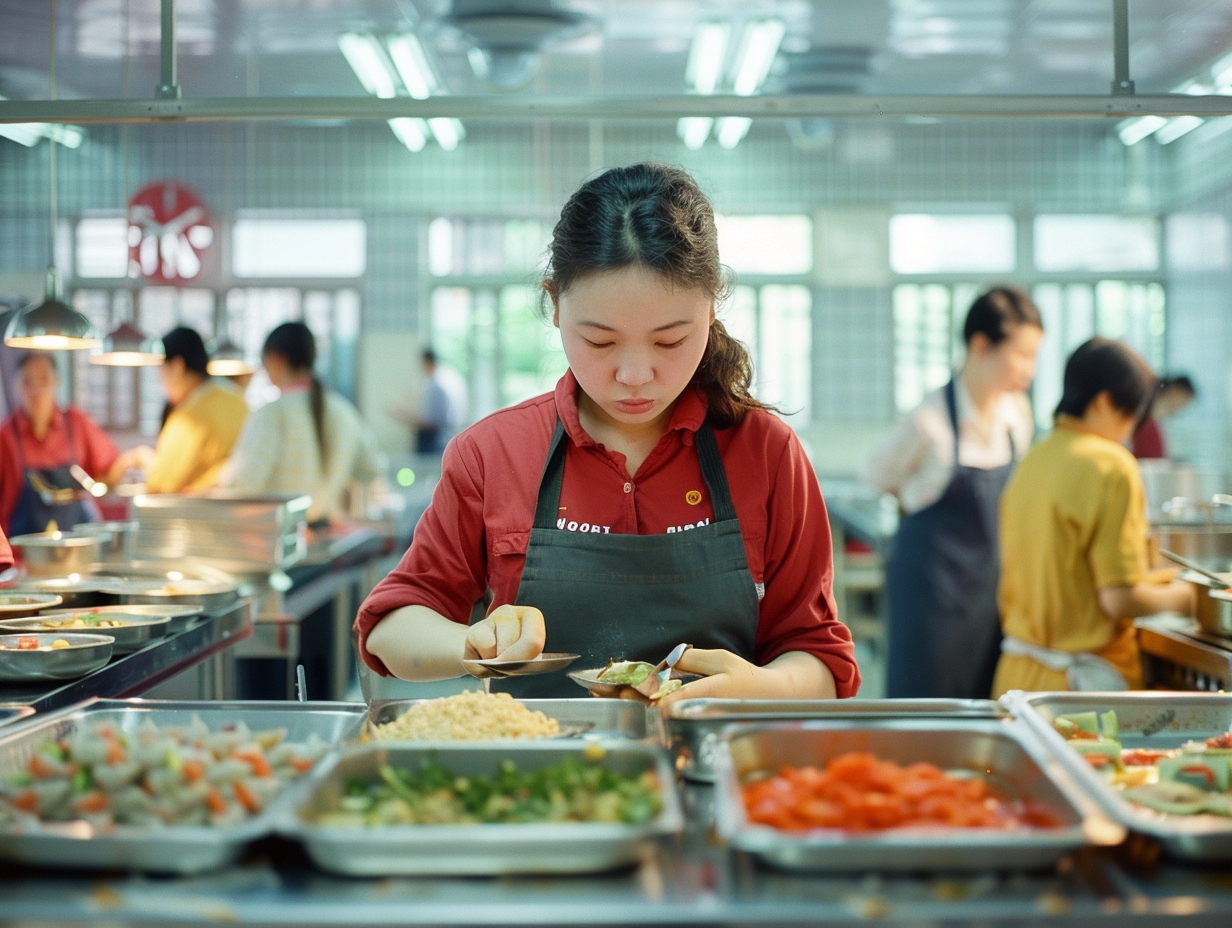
x=20, y=605
x=134, y=634
x=76, y=592
x=85, y=653
x=1214, y=606
x=116, y=538
x=57, y=554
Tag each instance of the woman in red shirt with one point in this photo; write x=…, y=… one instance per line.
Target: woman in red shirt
x=649, y=500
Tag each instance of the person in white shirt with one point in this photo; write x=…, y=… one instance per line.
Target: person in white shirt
x=948, y=462
x=309, y=440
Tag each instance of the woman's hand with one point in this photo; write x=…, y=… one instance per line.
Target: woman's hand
x=794, y=675
x=510, y=633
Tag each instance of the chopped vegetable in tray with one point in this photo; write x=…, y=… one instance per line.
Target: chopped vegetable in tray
x=860, y=792
x=156, y=776
x=1188, y=780
x=571, y=791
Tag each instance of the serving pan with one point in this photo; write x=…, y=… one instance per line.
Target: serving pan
x=474, y=850
x=136, y=632
x=57, y=554
x=178, y=849
x=1155, y=720
x=695, y=725
x=16, y=605
x=1004, y=753
x=591, y=718
x=85, y=654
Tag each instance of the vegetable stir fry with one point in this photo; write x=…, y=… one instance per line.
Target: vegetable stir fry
x=571, y=791
x=156, y=776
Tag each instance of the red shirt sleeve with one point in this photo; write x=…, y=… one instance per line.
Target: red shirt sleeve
x=798, y=611
x=6, y=553
x=96, y=449
x=11, y=476
x=445, y=568
x=1149, y=440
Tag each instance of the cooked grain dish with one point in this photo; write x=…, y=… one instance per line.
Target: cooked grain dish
x=470, y=716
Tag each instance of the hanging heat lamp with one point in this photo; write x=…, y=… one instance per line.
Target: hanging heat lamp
x=227, y=359
x=128, y=346
x=53, y=325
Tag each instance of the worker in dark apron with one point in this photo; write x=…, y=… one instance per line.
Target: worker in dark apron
x=604, y=514
x=45, y=494
x=948, y=463
x=945, y=635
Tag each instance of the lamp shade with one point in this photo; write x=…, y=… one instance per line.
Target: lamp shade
x=52, y=325
x=128, y=347
x=228, y=360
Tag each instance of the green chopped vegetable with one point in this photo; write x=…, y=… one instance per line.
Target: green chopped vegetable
x=627, y=673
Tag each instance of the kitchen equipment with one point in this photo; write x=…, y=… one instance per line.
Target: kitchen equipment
x=15, y=605
x=489, y=850
x=494, y=669
x=1213, y=608
x=694, y=726
x=116, y=538
x=178, y=616
x=57, y=554
x=1197, y=528
x=84, y=654
x=1216, y=582
x=134, y=634
x=174, y=848
x=229, y=529
x=599, y=718
x=13, y=712
x=1004, y=753
x=76, y=592
x=1144, y=720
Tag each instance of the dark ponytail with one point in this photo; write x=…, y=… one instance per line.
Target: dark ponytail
x=654, y=216
x=293, y=342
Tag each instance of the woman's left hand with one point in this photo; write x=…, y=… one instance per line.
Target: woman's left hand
x=724, y=676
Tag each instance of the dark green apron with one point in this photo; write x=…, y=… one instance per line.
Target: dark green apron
x=635, y=597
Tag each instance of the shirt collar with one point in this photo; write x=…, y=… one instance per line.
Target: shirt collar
x=27, y=427
x=687, y=417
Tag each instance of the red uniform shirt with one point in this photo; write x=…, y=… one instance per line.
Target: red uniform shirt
x=92, y=448
x=474, y=534
x=6, y=553
x=1149, y=440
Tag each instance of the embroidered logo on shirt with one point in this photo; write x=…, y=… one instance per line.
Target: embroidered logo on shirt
x=684, y=528
x=568, y=525
x=693, y=497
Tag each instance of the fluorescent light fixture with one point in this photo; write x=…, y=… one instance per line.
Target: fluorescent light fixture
x=706, y=56
x=448, y=132
x=409, y=59
x=731, y=129
x=24, y=133
x=1133, y=131
x=413, y=133
x=28, y=133
x=759, y=44
x=1221, y=72
x=363, y=53
x=68, y=136
x=694, y=130
x=1181, y=125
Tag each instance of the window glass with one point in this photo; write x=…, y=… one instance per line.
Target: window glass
x=1096, y=243
x=766, y=244
x=102, y=247
x=739, y=317
x=440, y=247
x=298, y=247
x=940, y=244
x=1198, y=242
x=784, y=378
x=532, y=353
x=924, y=349
x=451, y=325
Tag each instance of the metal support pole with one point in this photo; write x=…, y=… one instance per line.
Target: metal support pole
x=1121, y=84
x=168, y=86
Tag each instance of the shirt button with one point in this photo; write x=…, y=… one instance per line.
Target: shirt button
x=628, y=488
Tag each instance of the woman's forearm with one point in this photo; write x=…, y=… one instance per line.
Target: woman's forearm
x=797, y=675
x=418, y=644
x=1130, y=602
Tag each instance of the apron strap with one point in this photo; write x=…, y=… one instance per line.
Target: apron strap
x=951, y=404
x=553, y=479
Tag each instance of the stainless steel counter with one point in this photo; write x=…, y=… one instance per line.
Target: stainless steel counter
x=1177, y=654
x=691, y=881
x=204, y=638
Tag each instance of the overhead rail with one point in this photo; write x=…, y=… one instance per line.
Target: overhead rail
x=588, y=107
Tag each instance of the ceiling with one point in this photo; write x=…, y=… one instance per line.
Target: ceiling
x=290, y=47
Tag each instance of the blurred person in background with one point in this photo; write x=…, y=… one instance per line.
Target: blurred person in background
x=441, y=409
x=1174, y=394
x=1074, y=537
x=947, y=462
x=39, y=442
x=201, y=424
x=310, y=440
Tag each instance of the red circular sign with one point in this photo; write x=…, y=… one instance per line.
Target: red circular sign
x=168, y=233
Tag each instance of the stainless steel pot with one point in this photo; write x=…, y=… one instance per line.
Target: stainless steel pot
x=1214, y=606
x=116, y=539
x=57, y=554
x=1210, y=544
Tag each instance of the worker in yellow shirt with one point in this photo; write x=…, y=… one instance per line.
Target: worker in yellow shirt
x=1073, y=537
x=202, y=422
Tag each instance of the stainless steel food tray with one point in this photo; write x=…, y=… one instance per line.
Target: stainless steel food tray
x=11, y=713
x=136, y=632
x=461, y=850
x=173, y=849
x=589, y=718
x=693, y=726
x=1145, y=720
x=1006, y=753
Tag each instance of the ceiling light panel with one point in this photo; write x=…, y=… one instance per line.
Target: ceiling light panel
x=758, y=46
x=366, y=58
x=706, y=56
x=412, y=65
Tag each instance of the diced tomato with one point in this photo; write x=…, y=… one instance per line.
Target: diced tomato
x=115, y=752
x=1142, y=757
x=301, y=764
x=91, y=802
x=256, y=760
x=216, y=802
x=27, y=801
x=1204, y=773
x=26, y=643
x=246, y=797
x=193, y=770
x=40, y=768
x=1220, y=741
x=1098, y=761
